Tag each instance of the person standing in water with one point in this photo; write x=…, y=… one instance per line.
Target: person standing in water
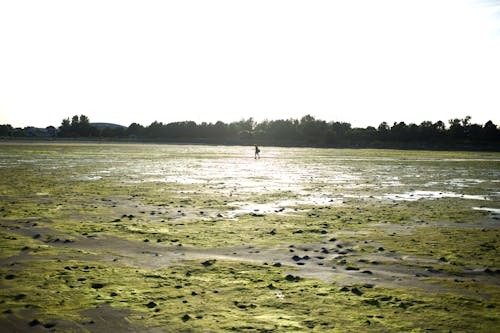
x=257, y=152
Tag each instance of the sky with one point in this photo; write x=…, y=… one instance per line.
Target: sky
x=361, y=62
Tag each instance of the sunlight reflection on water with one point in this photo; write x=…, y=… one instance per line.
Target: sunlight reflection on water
x=304, y=175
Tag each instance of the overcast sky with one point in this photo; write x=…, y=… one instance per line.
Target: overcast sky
x=362, y=61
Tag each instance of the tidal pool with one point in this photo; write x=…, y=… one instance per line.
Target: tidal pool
x=194, y=238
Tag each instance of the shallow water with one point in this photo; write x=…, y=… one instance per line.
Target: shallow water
x=299, y=175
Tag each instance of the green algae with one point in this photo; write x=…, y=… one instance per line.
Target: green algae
x=60, y=200
x=229, y=296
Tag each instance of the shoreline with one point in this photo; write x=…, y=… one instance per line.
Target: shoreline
x=374, y=145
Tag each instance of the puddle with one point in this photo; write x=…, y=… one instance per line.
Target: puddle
x=281, y=207
x=246, y=208
x=491, y=210
x=87, y=178
x=417, y=195
x=457, y=182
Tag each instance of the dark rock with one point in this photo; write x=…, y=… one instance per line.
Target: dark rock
x=208, y=263
x=373, y=302
x=367, y=272
x=240, y=306
x=381, y=249
x=277, y=264
x=273, y=232
x=10, y=277
x=34, y=322
x=49, y=325
x=344, y=289
x=296, y=258
x=37, y=236
x=292, y=278
x=356, y=291
x=151, y=305
x=300, y=231
x=97, y=285
x=19, y=297
x=186, y=317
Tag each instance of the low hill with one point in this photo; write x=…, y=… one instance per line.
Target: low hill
x=109, y=125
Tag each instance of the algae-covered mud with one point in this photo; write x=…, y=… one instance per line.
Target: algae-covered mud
x=166, y=238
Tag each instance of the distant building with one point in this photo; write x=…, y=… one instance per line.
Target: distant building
x=50, y=131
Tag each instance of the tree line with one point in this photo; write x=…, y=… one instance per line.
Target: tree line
x=306, y=131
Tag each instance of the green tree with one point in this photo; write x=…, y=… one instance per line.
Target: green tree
x=5, y=130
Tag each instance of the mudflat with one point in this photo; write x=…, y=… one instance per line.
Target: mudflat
x=179, y=238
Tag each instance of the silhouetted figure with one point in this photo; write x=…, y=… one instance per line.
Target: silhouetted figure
x=257, y=152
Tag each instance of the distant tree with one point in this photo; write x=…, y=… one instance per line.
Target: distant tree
x=79, y=126
x=75, y=121
x=219, y=130
x=400, y=132
x=337, y=132
x=155, y=130
x=459, y=128
x=84, y=128
x=51, y=131
x=283, y=130
x=65, y=129
x=491, y=132
x=304, y=131
x=383, y=131
x=440, y=126
x=312, y=130
x=5, y=130
x=475, y=132
x=135, y=130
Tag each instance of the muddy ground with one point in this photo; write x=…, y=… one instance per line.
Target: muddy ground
x=165, y=238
